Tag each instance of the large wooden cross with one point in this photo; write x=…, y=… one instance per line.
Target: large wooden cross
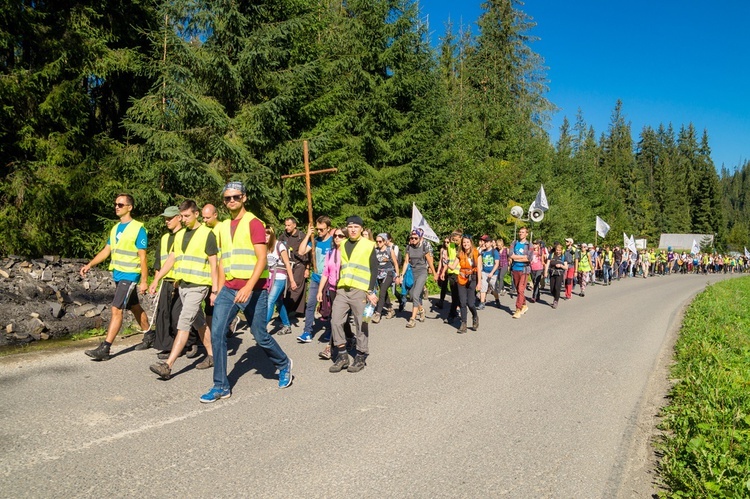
x=307, y=174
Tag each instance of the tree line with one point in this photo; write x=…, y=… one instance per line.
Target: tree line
x=170, y=100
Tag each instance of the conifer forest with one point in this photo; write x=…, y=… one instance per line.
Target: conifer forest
x=168, y=100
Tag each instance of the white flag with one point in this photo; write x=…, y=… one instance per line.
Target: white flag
x=540, y=201
x=602, y=227
x=747, y=254
x=696, y=248
x=631, y=244
x=419, y=222
x=625, y=241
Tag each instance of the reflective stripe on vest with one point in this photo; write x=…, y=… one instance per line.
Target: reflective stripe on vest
x=124, y=256
x=165, y=254
x=355, y=269
x=238, y=255
x=191, y=265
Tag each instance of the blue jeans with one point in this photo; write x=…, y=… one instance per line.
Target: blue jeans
x=606, y=273
x=274, y=299
x=312, y=303
x=255, y=310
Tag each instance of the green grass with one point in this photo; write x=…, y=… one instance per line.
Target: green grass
x=706, y=447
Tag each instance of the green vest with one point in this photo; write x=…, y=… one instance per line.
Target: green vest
x=124, y=256
x=238, y=255
x=191, y=265
x=355, y=269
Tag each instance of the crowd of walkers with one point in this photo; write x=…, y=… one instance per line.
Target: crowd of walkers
x=336, y=282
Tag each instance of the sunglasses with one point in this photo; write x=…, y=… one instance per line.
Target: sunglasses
x=338, y=236
x=379, y=241
x=121, y=205
x=413, y=238
x=236, y=197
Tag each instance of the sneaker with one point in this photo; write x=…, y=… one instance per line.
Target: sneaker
x=375, y=318
x=411, y=323
x=481, y=306
x=285, y=330
x=358, y=364
x=192, y=352
x=162, y=369
x=583, y=294
x=305, y=337
x=390, y=314
x=99, y=353
x=326, y=353
x=524, y=309
x=462, y=329
x=517, y=314
x=215, y=394
x=147, y=341
x=285, y=376
x=342, y=362
x=207, y=362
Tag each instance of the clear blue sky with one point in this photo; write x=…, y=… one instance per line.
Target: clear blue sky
x=668, y=61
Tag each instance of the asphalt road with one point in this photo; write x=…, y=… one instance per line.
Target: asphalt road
x=550, y=405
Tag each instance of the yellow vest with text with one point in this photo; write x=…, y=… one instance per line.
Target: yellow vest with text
x=355, y=269
x=191, y=265
x=164, y=253
x=238, y=256
x=124, y=255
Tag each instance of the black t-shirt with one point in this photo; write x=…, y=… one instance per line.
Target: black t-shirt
x=211, y=247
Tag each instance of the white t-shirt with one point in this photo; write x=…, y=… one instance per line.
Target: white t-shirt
x=275, y=261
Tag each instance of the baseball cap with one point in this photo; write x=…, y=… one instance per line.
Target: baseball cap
x=170, y=211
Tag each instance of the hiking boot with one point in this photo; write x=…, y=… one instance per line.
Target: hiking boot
x=326, y=353
x=342, y=362
x=475, y=323
x=215, y=394
x=207, y=362
x=192, y=352
x=147, y=341
x=462, y=329
x=411, y=323
x=358, y=365
x=285, y=330
x=375, y=318
x=305, y=337
x=517, y=314
x=99, y=353
x=524, y=309
x=421, y=315
x=285, y=376
x=162, y=369
x=390, y=314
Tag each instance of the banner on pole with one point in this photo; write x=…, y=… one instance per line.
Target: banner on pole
x=602, y=227
x=696, y=248
x=540, y=201
x=419, y=222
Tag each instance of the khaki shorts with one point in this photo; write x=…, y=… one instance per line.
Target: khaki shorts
x=487, y=286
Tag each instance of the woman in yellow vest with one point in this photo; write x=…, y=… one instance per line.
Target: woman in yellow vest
x=583, y=267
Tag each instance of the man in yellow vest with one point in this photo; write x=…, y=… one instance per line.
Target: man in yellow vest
x=243, y=276
x=358, y=279
x=126, y=245
x=193, y=257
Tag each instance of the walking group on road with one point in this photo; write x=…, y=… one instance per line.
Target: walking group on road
x=208, y=273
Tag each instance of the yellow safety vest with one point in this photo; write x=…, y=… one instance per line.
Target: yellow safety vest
x=124, y=255
x=452, y=255
x=192, y=264
x=164, y=254
x=238, y=255
x=355, y=269
x=583, y=262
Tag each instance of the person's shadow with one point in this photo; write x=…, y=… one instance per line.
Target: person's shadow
x=253, y=358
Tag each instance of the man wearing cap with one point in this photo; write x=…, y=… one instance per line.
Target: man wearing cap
x=358, y=279
x=569, y=256
x=242, y=281
x=490, y=263
x=169, y=305
x=193, y=258
x=126, y=245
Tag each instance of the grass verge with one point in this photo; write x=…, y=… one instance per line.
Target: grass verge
x=706, y=447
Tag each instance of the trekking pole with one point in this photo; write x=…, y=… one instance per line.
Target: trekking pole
x=156, y=306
